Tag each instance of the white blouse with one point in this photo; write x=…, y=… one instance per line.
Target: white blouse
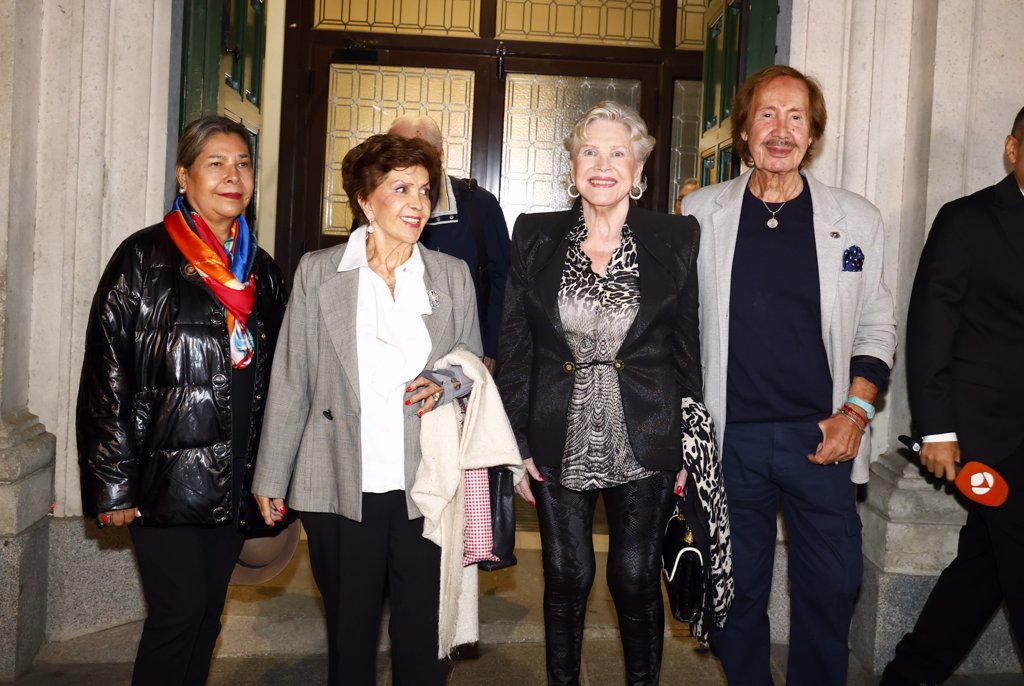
x=392, y=347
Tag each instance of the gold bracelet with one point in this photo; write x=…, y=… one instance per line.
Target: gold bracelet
x=852, y=410
x=852, y=420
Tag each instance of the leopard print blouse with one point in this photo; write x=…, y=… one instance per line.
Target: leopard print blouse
x=596, y=313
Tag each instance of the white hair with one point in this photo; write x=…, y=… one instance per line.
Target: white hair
x=425, y=128
x=609, y=110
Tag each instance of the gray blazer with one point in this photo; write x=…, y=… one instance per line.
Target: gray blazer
x=310, y=450
x=857, y=315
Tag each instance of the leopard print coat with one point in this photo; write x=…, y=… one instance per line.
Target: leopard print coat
x=702, y=461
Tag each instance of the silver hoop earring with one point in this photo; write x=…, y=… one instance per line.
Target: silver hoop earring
x=636, y=192
x=573, y=191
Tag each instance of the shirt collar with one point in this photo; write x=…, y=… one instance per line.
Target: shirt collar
x=410, y=290
x=354, y=256
x=445, y=199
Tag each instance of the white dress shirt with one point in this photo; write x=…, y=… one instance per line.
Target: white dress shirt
x=939, y=438
x=392, y=347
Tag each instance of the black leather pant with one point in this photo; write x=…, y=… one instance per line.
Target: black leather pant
x=636, y=517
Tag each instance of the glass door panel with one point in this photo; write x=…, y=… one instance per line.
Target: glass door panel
x=364, y=99
x=540, y=110
x=685, y=137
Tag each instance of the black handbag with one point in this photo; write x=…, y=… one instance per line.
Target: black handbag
x=503, y=519
x=683, y=567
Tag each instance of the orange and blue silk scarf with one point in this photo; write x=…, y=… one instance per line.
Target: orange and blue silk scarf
x=226, y=270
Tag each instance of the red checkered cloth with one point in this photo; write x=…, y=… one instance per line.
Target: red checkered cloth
x=479, y=536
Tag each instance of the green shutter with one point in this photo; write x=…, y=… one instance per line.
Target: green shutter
x=762, y=18
x=200, y=59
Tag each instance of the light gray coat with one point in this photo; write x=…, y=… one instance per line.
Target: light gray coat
x=857, y=315
x=310, y=450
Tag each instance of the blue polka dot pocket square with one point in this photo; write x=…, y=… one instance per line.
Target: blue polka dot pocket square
x=853, y=259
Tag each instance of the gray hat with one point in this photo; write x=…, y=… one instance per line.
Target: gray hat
x=264, y=557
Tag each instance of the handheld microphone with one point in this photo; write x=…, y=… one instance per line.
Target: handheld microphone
x=978, y=482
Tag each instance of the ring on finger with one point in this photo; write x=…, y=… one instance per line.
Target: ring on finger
x=436, y=396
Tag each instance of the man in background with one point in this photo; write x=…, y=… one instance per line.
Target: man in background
x=965, y=371
x=467, y=223
x=689, y=186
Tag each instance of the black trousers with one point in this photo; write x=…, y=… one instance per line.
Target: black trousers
x=636, y=518
x=185, y=573
x=353, y=564
x=988, y=570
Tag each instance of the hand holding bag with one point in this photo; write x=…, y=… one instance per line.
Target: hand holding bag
x=683, y=567
x=503, y=519
x=501, y=493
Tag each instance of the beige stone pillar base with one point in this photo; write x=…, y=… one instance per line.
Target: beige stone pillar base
x=26, y=491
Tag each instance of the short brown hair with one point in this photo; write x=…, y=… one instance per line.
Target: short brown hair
x=366, y=165
x=194, y=138
x=744, y=100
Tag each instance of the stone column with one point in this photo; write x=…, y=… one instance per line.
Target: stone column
x=918, y=109
x=26, y=450
x=107, y=130
x=88, y=114
x=912, y=524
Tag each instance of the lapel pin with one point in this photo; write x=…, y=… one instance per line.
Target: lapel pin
x=834, y=234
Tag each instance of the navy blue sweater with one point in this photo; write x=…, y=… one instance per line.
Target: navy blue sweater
x=778, y=368
x=453, y=235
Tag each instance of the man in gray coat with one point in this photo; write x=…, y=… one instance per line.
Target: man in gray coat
x=797, y=338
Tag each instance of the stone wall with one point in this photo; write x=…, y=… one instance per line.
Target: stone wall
x=26, y=450
x=87, y=91
x=920, y=99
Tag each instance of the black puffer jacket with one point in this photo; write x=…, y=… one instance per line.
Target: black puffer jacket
x=154, y=405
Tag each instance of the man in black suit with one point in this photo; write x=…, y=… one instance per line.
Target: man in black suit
x=965, y=370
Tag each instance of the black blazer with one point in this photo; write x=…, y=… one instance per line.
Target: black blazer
x=965, y=327
x=660, y=354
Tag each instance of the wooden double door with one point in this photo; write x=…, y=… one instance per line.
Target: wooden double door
x=503, y=109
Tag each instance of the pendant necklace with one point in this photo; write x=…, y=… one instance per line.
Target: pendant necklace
x=773, y=222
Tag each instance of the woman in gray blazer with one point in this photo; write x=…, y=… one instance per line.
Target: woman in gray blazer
x=341, y=436
x=797, y=338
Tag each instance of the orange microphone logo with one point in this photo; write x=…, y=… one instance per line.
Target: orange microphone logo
x=978, y=482
x=982, y=484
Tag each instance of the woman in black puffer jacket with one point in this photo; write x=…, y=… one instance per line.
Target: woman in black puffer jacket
x=178, y=353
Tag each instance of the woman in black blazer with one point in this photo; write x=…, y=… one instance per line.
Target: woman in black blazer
x=599, y=343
